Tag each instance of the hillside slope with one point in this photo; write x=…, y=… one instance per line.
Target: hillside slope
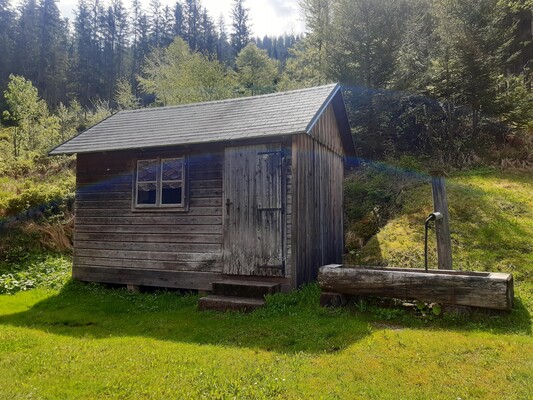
x=491, y=217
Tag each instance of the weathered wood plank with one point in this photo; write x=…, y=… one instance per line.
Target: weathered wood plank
x=195, y=175
x=126, y=204
x=327, y=133
x=205, y=184
x=96, y=194
x=442, y=226
x=474, y=289
x=125, y=212
x=121, y=185
x=176, y=254
x=160, y=219
x=143, y=277
x=213, y=265
x=103, y=186
x=139, y=246
x=167, y=229
x=149, y=237
x=103, y=196
x=203, y=193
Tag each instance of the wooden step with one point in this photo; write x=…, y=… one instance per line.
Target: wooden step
x=227, y=303
x=237, y=288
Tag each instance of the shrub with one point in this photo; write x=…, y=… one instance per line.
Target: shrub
x=40, y=200
x=55, y=235
x=373, y=195
x=37, y=271
x=16, y=168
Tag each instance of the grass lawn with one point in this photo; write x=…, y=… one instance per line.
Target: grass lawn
x=87, y=341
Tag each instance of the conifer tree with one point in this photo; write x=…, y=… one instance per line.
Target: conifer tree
x=139, y=38
x=7, y=39
x=86, y=67
x=207, y=39
x=241, y=28
x=179, y=20
x=27, y=40
x=224, y=50
x=192, y=23
x=156, y=23
x=167, y=27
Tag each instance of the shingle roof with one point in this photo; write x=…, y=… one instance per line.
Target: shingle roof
x=277, y=114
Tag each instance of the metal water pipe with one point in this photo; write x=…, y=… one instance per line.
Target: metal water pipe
x=434, y=216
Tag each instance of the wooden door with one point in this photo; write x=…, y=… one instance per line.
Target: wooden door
x=254, y=214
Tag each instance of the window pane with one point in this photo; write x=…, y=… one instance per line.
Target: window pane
x=147, y=171
x=172, y=169
x=146, y=193
x=171, y=193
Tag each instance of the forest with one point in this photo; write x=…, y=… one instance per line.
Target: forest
x=446, y=81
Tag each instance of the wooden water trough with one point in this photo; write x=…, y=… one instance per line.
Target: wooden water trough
x=492, y=290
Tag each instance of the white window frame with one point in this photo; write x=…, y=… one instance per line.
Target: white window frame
x=159, y=185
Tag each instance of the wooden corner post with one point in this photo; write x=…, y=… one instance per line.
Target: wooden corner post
x=442, y=226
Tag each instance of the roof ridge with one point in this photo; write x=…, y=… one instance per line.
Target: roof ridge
x=230, y=100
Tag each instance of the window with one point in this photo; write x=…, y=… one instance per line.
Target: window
x=160, y=183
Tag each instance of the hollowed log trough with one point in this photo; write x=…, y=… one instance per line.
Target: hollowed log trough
x=493, y=290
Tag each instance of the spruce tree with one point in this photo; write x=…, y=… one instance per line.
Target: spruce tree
x=192, y=23
x=207, y=39
x=52, y=64
x=139, y=38
x=179, y=20
x=27, y=40
x=156, y=23
x=7, y=24
x=88, y=38
x=241, y=28
x=224, y=50
x=167, y=27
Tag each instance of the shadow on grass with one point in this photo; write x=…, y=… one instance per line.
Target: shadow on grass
x=518, y=321
x=289, y=323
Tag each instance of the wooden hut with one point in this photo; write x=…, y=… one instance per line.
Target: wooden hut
x=248, y=188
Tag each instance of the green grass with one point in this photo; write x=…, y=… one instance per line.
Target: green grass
x=88, y=341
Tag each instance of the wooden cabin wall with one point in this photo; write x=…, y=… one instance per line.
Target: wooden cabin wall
x=290, y=273
x=317, y=199
x=326, y=132
x=114, y=244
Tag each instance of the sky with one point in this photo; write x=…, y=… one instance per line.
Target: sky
x=268, y=17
